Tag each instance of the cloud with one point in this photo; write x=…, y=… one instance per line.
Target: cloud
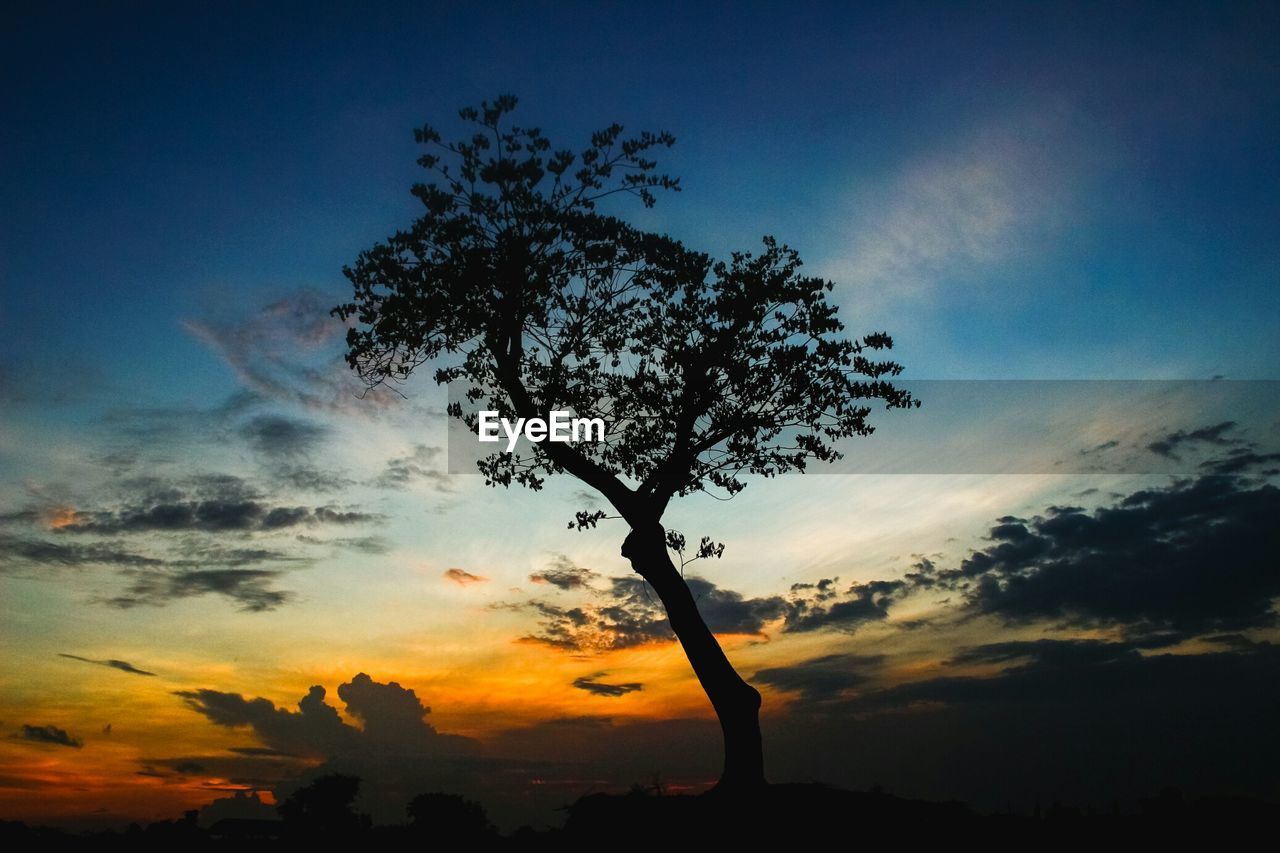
x=628, y=613
x=17, y=549
x=210, y=516
x=392, y=719
x=419, y=466
x=280, y=436
x=822, y=606
x=306, y=479
x=523, y=773
x=821, y=678
x=364, y=544
x=217, y=534
x=1078, y=720
x=122, y=665
x=1162, y=564
x=463, y=578
x=1240, y=461
x=959, y=210
x=250, y=588
x=48, y=734
x=590, y=684
x=145, y=428
x=1216, y=435
x=291, y=350
x=564, y=574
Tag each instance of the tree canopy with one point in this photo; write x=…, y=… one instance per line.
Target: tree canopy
x=518, y=281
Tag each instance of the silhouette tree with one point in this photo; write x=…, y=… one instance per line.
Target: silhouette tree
x=516, y=282
x=324, y=807
x=449, y=816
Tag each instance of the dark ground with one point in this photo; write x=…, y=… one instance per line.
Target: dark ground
x=805, y=814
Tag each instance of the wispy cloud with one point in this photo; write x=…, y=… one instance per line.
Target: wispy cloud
x=975, y=203
x=122, y=665
x=462, y=577
x=291, y=351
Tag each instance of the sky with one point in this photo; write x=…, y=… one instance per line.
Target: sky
x=223, y=571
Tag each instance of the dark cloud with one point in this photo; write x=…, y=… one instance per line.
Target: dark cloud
x=419, y=466
x=280, y=436
x=1046, y=652
x=18, y=550
x=314, y=730
x=462, y=577
x=822, y=678
x=210, y=517
x=1242, y=460
x=213, y=529
x=260, y=750
x=48, y=734
x=392, y=719
x=1075, y=720
x=201, y=552
x=226, y=771
x=563, y=573
x=122, y=665
x=251, y=589
x=1216, y=435
x=591, y=684
x=1100, y=448
x=815, y=606
x=1162, y=564
x=629, y=613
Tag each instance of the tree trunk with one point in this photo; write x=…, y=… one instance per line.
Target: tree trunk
x=737, y=704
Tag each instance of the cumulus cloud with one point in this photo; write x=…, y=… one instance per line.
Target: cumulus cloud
x=392, y=719
x=122, y=665
x=1161, y=564
x=822, y=605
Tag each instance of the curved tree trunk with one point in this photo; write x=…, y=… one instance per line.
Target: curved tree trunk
x=737, y=704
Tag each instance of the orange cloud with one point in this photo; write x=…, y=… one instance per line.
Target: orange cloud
x=63, y=516
x=463, y=578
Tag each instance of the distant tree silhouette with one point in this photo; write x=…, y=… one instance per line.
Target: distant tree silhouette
x=449, y=816
x=516, y=283
x=324, y=807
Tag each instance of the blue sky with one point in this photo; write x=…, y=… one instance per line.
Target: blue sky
x=166, y=160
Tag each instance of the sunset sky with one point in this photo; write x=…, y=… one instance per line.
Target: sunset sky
x=201, y=520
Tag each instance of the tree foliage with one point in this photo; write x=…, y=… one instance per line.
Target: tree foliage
x=517, y=281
